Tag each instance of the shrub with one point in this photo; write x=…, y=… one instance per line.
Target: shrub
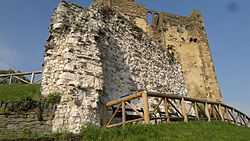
x=53, y=98
x=5, y=112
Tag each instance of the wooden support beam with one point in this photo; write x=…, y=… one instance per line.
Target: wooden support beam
x=117, y=109
x=241, y=122
x=132, y=107
x=176, y=109
x=214, y=111
x=237, y=117
x=121, y=123
x=105, y=115
x=190, y=108
x=156, y=107
x=21, y=79
x=39, y=80
x=123, y=112
x=166, y=109
x=216, y=107
x=207, y=112
x=243, y=119
x=183, y=109
x=220, y=113
x=145, y=107
x=3, y=79
x=232, y=116
x=196, y=111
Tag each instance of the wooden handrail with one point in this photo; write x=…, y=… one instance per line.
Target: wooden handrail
x=211, y=110
x=23, y=73
x=12, y=76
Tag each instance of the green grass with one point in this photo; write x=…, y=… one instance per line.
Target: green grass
x=19, y=91
x=34, y=135
x=179, y=131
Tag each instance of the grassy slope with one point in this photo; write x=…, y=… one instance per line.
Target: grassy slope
x=180, y=131
x=19, y=91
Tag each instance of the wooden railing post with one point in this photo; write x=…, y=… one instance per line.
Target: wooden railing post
x=166, y=109
x=10, y=80
x=183, y=110
x=123, y=112
x=32, y=78
x=145, y=107
x=105, y=115
x=196, y=111
x=226, y=112
x=207, y=112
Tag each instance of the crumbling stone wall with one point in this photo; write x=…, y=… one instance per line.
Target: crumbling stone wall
x=185, y=37
x=35, y=120
x=94, y=55
x=72, y=66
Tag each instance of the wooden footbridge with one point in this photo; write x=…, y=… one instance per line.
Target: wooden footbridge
x=168, y=108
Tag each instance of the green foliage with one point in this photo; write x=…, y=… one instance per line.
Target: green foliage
x=22, y=105
x=19, y=91
x=53, y=98
x=174, y=131
x=4, y=112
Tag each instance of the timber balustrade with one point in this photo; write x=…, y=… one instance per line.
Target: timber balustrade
x=21, y=77
x=168, y=108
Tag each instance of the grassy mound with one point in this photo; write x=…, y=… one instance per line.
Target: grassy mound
x=19, y=91
x=179, y=131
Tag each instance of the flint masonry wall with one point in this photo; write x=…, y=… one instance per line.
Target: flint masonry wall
x=185, y=37
x=94, y=55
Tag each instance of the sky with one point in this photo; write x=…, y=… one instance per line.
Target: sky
x=24, y=31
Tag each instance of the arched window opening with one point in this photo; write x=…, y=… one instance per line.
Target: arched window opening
x=149, y=17
x=156, y=19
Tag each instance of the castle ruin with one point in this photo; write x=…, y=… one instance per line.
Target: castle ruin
x=96, y=54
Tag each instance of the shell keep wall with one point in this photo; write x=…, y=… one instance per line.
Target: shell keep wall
x=96, y=54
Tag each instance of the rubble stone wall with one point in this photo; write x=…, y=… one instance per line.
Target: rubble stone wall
x=94, y=55
x=35, y=120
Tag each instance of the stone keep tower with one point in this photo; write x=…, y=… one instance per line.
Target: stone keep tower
x=96, y=54
x=185, y=37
